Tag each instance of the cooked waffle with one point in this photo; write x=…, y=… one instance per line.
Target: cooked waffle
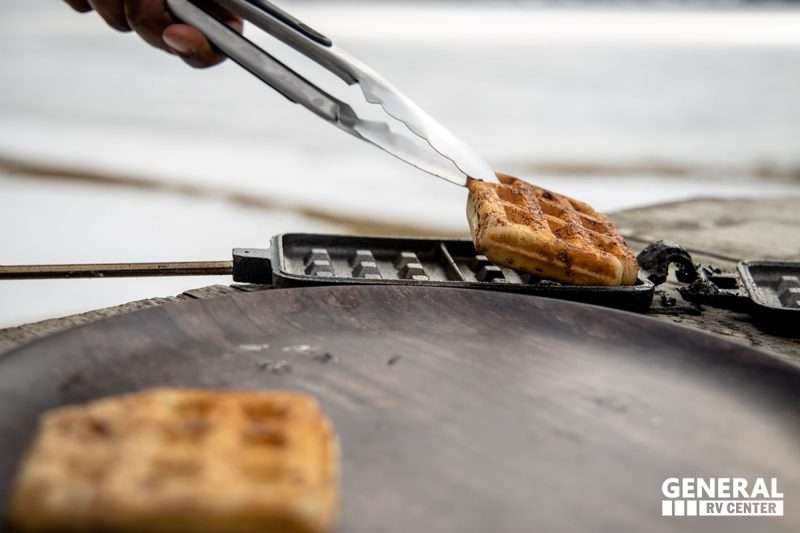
x=551, y=236
x=181, y=460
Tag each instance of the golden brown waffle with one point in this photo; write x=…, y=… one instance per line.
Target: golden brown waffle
x=179, y=461
x=551, y=236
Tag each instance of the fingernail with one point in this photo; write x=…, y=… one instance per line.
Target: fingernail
x=176, y=44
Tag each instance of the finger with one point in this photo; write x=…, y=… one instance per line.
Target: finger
x=192, y=46
x=113, y=12
x=82, y=6
x=149, y=19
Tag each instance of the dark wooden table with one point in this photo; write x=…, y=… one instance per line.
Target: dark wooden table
x=459, y=411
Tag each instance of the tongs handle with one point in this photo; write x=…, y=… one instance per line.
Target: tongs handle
x=257, y=61
x=428, y=145
x=292, y=22
x=293, y=32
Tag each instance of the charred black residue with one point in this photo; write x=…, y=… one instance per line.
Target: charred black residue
x=702, y=287
x=100, y=427
x=565, y=258
x=716, y=289
x=667, y=300
x=71, y=383
x=324, y=358
x=657, y=257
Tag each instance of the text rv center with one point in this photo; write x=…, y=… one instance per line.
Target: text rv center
x=721, y=496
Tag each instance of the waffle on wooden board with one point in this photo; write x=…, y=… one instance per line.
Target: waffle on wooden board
x=548, y=235
x=181, y=460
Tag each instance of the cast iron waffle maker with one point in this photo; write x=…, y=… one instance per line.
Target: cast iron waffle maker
x=304, y=259
x=768, y=290
x=309, y=259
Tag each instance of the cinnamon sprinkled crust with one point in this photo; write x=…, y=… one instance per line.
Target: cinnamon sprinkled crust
x=551, y=236
x=179, y=461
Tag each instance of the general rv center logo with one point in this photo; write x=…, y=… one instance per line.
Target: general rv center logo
x=721, y=496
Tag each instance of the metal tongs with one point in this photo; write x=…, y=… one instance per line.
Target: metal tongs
x=431, y=148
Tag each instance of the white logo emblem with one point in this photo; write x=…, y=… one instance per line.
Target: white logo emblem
x=721, y=496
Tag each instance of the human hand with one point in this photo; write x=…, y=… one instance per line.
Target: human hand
x=153, y=22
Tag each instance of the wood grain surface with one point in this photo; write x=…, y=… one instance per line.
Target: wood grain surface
x=458, y=411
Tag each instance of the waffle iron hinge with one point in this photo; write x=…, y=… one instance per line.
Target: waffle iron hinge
x=252, y=265
x=769, y=291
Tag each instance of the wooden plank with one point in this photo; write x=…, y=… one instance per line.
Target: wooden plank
x=739, y=229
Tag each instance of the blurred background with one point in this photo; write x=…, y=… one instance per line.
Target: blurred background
x=113, y=151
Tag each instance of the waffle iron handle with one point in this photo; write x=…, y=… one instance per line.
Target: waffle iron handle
x=252, y=265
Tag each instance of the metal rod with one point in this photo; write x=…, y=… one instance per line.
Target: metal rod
x=117, y=270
